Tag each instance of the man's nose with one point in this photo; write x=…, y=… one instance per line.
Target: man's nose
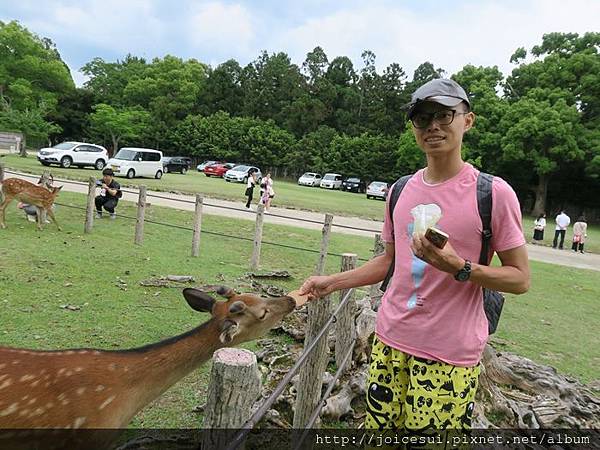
x=433, y=125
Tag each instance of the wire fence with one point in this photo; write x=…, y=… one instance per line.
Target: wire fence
x=212, y=205
x=204, y=231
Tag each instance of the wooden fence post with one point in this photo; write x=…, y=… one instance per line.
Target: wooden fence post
x=141, y=210
x=233, y=388
x=378, y=249
x=345, y=326
x=89, y=211
x=197, y=226
x=260, y=214
x=311, y=373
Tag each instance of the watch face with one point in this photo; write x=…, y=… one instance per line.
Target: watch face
x=463, y=275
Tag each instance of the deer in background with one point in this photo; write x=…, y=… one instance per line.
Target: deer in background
x=42, y=196
x=88, y=388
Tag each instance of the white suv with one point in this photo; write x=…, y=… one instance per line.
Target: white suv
x=69, y=154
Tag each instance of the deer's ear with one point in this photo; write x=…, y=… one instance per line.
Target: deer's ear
x=225, y=291
x=57, y=189
x=237, y=307
x=198, y=300
x=229, y=329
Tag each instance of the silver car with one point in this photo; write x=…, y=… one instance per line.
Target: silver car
x=239, y=174
x=377, y=189
x=309, y=179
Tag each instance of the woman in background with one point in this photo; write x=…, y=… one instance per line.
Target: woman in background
x=538, y=228
x=579, y=234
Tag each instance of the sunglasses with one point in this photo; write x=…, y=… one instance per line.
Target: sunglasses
x=443, y=117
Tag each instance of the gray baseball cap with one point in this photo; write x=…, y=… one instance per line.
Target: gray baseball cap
x=440, y=90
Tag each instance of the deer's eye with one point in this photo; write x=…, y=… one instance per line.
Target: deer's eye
x=264, y=316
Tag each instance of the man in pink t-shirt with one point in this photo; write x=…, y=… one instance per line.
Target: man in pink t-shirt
x=431, y=327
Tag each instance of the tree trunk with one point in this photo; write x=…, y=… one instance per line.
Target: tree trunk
x=540, y=195
x=115, y=143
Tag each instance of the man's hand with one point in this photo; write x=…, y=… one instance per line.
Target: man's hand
x=317, y=287
x=445, y=259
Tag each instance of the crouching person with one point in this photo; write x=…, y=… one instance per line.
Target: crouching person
x=110, y=193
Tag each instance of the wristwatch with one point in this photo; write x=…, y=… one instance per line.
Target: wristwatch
x=465, y=273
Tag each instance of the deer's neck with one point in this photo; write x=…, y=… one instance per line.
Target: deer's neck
x=161, y=365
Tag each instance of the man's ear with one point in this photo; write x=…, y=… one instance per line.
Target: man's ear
x=469, y=120
x=199, y=300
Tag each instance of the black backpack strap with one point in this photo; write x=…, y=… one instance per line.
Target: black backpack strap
x=484, y=204
x=394, y=196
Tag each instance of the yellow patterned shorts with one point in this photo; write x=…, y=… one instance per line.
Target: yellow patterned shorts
x=417, y=394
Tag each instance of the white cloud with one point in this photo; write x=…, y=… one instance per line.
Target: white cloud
x=221, y=28
x=480, y=33
x=120, y=27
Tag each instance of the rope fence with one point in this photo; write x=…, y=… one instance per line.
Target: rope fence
x=143, y=219
x=212, y=205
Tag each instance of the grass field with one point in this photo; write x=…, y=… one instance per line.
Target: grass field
x=41, y=272
x=288, y=195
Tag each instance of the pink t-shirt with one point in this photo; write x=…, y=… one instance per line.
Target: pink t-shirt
x=424, y=311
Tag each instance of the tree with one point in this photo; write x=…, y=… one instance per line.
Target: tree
x=119, y=123
x=32, y=77
x=31, y=122
x=223, y=90
x=271, y=84
x=541, y=130
x=72, y=115
x=31, y=71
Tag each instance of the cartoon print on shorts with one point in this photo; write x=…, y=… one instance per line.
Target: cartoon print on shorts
x=418, y=394
x=424, y=216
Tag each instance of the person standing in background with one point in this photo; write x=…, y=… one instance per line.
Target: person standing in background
x=538, y=228
x=250, y=187
x=579, y=234
x=562, y=222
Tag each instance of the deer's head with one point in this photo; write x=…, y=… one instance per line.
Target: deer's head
x=242, y=317
x=46, y=180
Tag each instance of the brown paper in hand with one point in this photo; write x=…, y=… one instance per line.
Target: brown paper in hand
x=300, y=299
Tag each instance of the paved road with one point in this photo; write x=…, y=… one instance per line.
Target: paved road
x=311, y=220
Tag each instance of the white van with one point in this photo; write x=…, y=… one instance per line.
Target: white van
x=137, y=162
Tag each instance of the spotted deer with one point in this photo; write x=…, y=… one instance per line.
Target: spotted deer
x=42, y=195
x=104, y=389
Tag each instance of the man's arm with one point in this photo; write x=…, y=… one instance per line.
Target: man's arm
x=369, y=273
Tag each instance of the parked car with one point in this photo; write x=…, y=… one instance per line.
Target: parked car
x=137, y=162
x=354, y=184
x=378, y=189
x=309, y=179
x=331, y=181
x=217, y=170
x=200, y=167
x=188, y=161
x=239, y=174
x=69, y=154
x=175, y=164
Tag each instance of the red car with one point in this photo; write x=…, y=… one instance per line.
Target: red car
x=217, y=170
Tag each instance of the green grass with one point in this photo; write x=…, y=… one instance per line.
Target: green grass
x=288, y=195
x=42, y=271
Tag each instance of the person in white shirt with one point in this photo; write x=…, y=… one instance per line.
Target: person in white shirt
x=250, y=187
x=538, y=228
x=562, y=222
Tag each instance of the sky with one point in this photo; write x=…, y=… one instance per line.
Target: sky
x=410, y=32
